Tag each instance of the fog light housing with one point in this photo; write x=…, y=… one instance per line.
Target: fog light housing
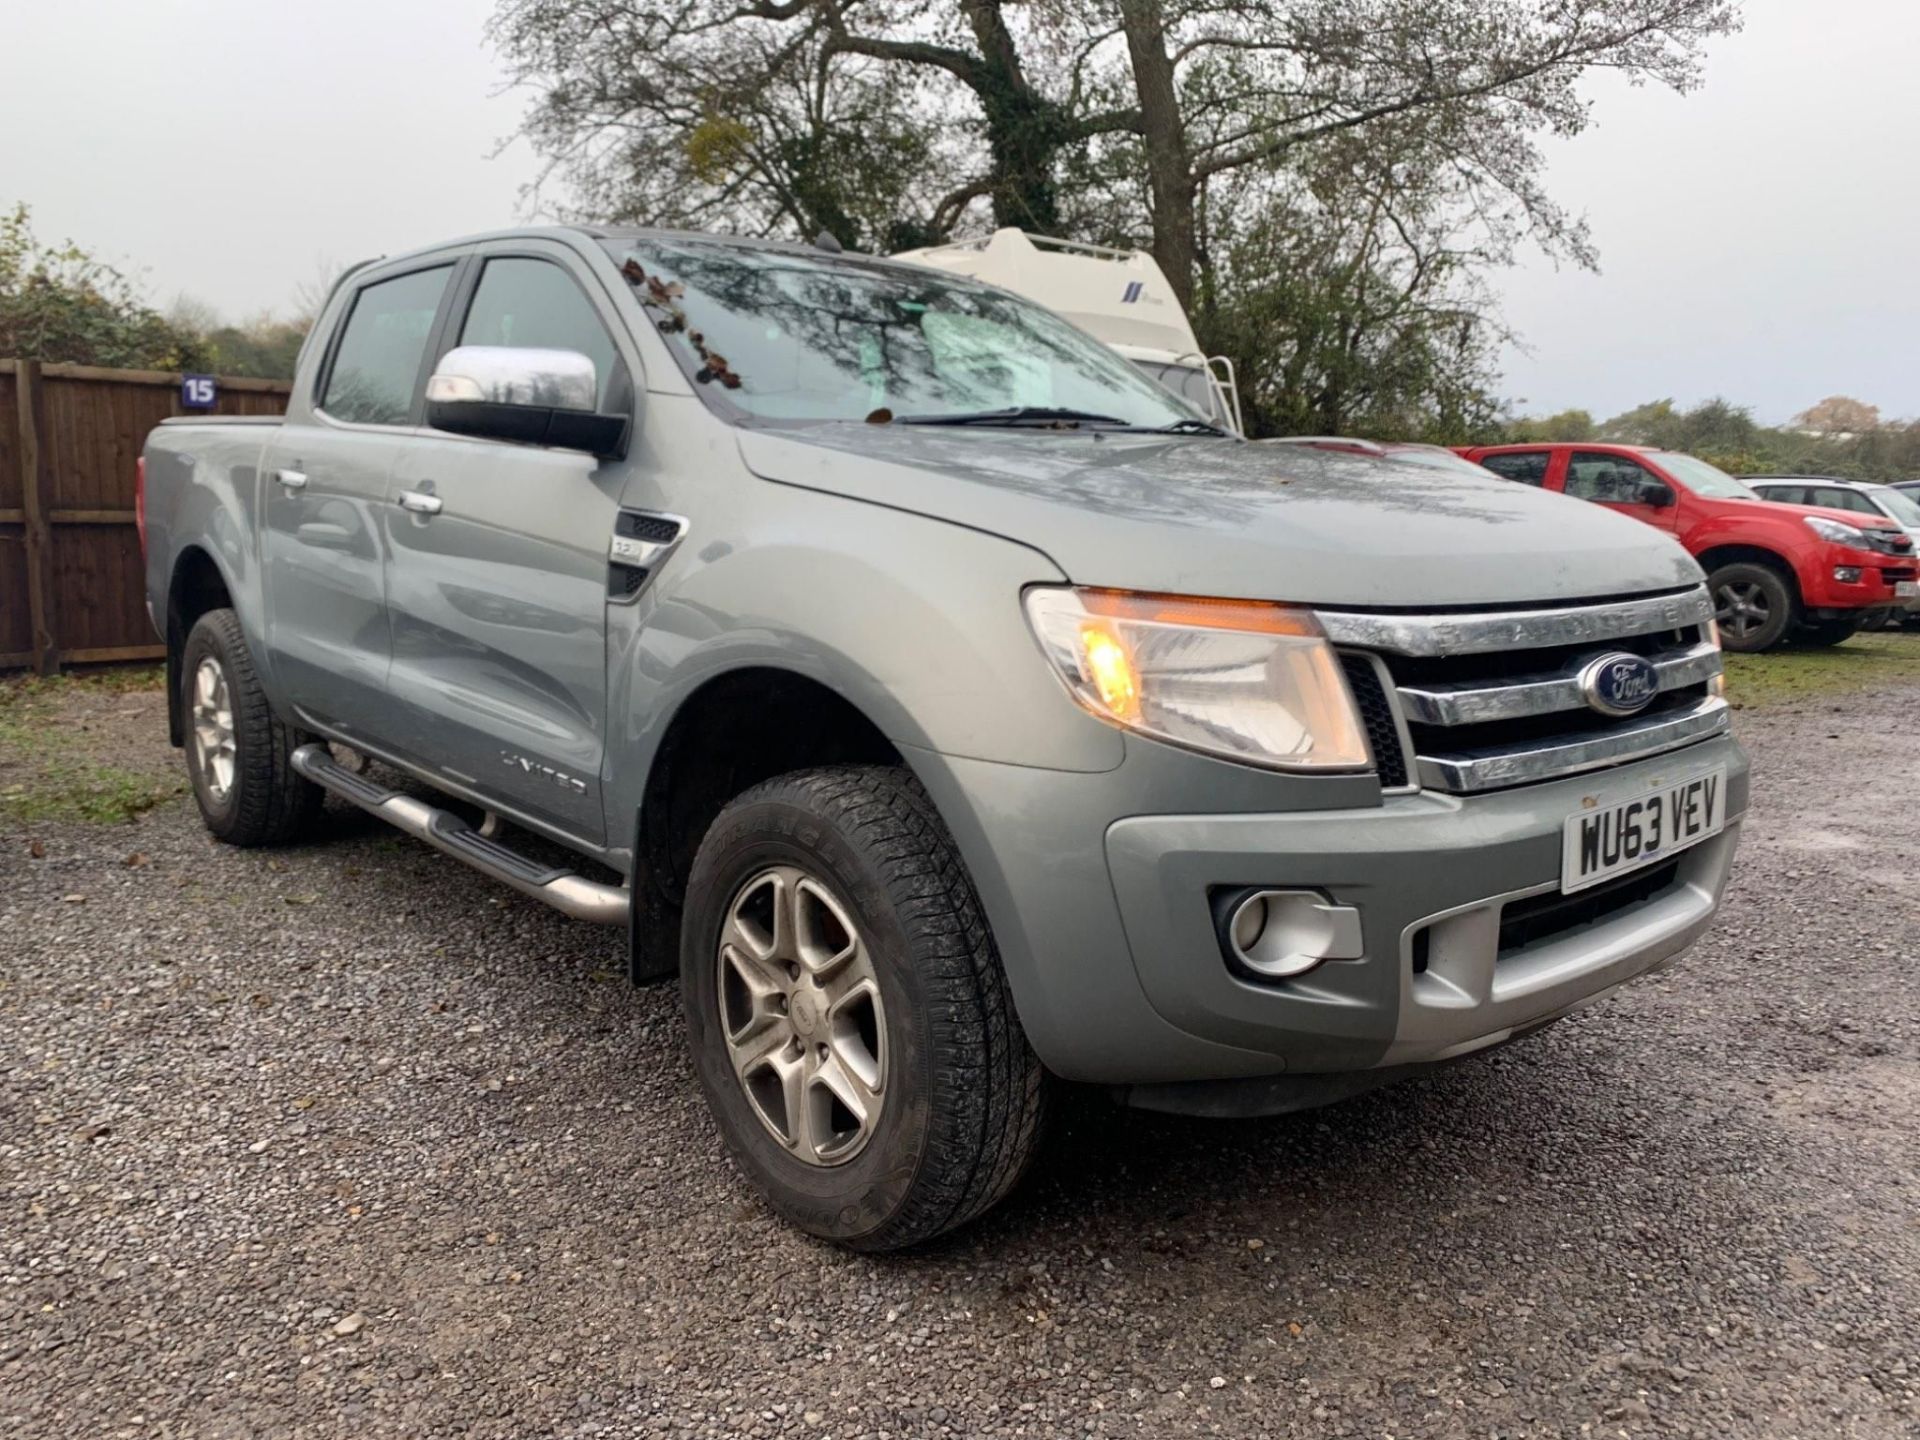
x=1847, y=574
x=1281, y=934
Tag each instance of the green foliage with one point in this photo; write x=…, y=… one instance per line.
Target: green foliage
x=60, y=304
x=1727, y=435
x=265, y=348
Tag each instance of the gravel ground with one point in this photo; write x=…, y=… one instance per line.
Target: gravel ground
x=343, y=1140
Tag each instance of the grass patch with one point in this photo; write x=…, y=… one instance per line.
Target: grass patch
x=46, y=770
x=1794, y=673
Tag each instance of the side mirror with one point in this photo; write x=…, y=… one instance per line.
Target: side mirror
x=1652, y=492
x=537, y=397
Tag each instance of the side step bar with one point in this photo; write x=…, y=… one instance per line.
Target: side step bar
x=565, y=891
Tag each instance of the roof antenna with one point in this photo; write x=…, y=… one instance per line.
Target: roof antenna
x=827, y=241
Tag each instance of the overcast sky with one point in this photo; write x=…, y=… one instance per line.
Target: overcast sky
x=1759, y=238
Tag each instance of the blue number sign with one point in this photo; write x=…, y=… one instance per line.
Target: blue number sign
x=198, y=392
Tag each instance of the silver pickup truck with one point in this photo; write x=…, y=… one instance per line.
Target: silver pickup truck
x=954, y=710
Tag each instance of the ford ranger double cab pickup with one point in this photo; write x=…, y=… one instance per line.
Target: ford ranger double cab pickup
x=1775, y=572
x=952, y=708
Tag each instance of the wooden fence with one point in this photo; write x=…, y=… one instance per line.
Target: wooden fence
x=72, y=588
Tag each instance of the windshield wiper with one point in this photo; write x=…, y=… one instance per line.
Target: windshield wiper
x=1183, y=427
x=1016, y=415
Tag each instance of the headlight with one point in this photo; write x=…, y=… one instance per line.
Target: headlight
x=1252, y=682
x=1838, y=531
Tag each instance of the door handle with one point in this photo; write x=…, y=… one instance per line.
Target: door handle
x=291, y=479
x=419, y=502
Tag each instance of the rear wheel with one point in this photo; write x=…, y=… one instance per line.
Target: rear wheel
x=847, y=1011
x=237, y=750
x=1753, y=603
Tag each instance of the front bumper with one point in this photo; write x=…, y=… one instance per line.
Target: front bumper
x=1117, y=969
x=1878, y=574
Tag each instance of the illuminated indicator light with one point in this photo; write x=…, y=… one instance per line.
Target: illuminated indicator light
x=1111, y=673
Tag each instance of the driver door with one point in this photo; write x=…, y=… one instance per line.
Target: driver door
x=497, y=574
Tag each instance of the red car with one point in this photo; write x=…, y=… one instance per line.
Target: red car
x=1774, y=569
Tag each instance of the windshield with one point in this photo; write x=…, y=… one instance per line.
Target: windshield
x=1898, y=504
x=1702, y=478
x=782, y=336
x=1189, y=382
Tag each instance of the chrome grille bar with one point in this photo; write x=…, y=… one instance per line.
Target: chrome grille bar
x=1472, y=771
x=1473, y=634
x=1474, y=702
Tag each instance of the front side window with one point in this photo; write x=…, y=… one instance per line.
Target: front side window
x=534, y=304
x=789, y=337
x=1607, y=479
x=1529, y=467
x=377, y=365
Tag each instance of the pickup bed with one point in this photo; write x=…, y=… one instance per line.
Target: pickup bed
x=951, y=708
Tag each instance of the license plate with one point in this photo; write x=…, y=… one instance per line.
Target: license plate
x=1906, y=589
x=1613, y=839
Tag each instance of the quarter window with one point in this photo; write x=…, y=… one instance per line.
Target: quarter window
x=1529, y=467
x=534, y=304
x=377, y=366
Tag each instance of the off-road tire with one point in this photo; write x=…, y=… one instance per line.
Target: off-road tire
x=1782, y=606
x=268, y=802
x=964, y=1095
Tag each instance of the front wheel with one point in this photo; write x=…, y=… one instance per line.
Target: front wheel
x=1753, y=604
x=847, y=1011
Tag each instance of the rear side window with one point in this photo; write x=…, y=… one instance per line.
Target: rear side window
x=534, y=304
x=377, y=364
x=1529, y=467
x=1608, y=479
x=1785, y=494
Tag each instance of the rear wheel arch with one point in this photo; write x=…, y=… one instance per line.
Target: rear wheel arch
x=197, y=586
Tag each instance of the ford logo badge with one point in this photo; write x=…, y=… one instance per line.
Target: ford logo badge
x=1620, y=684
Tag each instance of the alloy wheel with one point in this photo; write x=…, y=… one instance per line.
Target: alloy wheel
x=213, y=741
x=1741, y=607
x=801, y=1014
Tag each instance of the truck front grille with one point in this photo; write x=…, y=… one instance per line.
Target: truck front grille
x=1478, y=700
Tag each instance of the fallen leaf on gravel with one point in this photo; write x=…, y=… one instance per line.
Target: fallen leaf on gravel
x=349, y=1324
x=37, y=850
x=94, y=1132
x=301, y=899
x=74, y=899
x=136, y=860
x=305, y=1102
x=276, y=865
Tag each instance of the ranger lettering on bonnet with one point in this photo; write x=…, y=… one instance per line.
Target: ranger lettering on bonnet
x=953, y=709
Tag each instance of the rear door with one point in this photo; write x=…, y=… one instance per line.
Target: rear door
x=325, y=484
x=498, y=597
x=1617, y=482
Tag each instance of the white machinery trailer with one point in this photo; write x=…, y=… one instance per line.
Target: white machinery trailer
x=1120, y=297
